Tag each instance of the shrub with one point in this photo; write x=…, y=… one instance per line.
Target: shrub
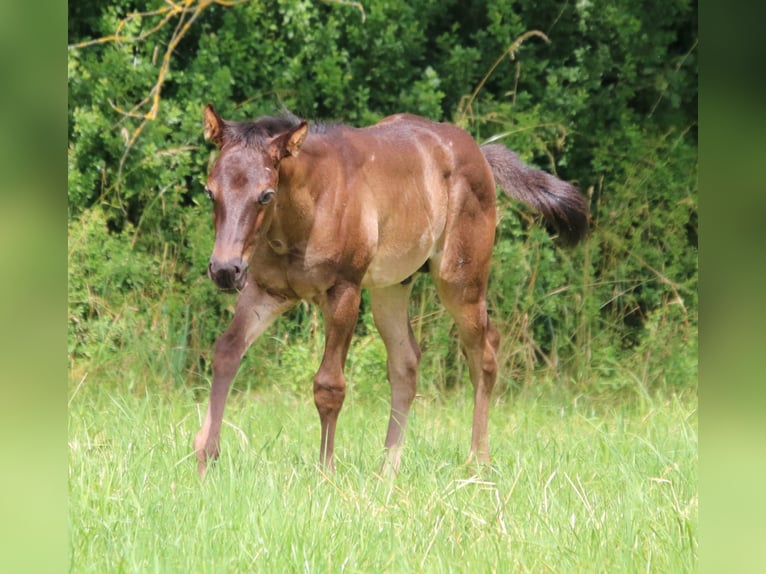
x=608, y=102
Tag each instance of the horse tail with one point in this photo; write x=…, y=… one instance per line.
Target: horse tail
x=561, y=204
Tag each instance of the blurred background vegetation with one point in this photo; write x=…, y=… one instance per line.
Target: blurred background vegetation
x=601, y=92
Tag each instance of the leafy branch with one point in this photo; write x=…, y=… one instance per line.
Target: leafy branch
x=464, y=113
x=186, y=13
x=357, y=5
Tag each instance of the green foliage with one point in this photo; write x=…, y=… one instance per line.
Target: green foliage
x=608, y=102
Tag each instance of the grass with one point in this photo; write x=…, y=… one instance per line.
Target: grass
x=574, y=486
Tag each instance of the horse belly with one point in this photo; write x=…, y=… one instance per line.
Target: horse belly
x=399, y=257
x=408, y=185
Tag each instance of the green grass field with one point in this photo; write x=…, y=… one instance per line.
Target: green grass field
x=575, y=485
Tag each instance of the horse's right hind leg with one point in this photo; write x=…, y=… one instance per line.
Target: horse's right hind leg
x=461, y=273
x=389, y=309
x=479, y=340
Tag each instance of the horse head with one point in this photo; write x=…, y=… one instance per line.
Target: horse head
x=242, y=185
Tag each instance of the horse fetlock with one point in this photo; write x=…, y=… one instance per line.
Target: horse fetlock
x=206, y=447
x=392, y=460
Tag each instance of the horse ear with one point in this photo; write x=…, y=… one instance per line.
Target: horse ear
x=289, y=142
x=297, y=137
x=213, y=125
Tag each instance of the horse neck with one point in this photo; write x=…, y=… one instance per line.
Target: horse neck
x=295, y=207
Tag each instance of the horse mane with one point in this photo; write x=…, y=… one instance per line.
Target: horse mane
x=253, y=133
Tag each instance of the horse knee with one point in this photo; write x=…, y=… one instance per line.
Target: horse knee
x=329, y=393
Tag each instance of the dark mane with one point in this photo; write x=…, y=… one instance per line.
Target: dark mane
x=320, y=127
x=253, y=133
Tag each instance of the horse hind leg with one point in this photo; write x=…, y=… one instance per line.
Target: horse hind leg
x=481, y=352
x=479, y=340
x=461, y=274
x=389, y=309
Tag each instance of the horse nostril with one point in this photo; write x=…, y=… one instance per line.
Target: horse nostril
x=227, y=274
x=239, y=267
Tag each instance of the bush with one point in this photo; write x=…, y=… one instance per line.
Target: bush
x=608, y=102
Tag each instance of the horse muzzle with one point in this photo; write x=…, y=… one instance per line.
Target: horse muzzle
x=230, y=275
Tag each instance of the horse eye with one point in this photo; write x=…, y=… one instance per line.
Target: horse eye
x=266, y=196
x=208, y=193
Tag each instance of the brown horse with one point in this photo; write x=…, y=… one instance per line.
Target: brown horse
x=319, y=213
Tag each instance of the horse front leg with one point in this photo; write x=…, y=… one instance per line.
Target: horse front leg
x=340, y=309
x=255, y=311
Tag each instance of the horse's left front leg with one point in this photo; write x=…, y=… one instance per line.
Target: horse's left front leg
x=340, y=309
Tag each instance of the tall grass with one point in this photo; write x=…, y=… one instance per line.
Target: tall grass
x=574, y=486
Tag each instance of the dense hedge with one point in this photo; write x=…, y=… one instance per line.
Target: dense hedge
x=608, y=101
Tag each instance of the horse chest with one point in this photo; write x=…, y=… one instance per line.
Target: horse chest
x=297, y=274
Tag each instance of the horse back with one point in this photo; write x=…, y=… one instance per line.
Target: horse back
x=407, y=177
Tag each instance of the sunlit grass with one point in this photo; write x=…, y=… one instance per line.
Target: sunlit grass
x=573, y=487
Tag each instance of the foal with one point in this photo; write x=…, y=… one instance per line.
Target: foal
x=318, y=214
